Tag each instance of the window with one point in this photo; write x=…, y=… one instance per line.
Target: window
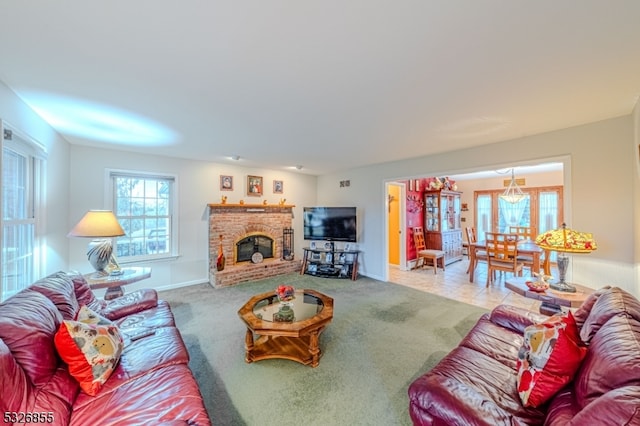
x=541, y=208
x=143, y=204
x=22, y=164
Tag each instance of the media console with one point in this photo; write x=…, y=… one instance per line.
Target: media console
x=330, y=262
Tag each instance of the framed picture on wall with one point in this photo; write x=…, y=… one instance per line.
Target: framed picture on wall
x=278, y=187
x=226, y=183
x=254, y=186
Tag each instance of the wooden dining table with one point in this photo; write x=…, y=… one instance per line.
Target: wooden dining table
x=525, y=247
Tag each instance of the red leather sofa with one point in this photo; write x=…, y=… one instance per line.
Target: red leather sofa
x=151, y=384
x=475, y=384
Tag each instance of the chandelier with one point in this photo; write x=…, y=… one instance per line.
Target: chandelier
x=513, y=194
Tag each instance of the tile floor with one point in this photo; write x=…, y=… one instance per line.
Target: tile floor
x=454, y=283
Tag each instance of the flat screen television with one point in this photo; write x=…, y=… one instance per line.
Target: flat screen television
x=330, y=224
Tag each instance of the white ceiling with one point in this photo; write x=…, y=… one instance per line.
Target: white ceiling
x=328, y=85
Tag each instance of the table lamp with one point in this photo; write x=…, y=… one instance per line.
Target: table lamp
x=565, y=240
x=101, y=225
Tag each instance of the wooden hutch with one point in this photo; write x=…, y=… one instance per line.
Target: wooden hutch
x=442, y=226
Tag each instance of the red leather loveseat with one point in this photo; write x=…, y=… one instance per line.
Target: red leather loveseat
x=475, y=384
x=151, y=383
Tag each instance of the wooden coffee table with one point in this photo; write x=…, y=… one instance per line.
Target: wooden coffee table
x=297, y=339
x=552, y=300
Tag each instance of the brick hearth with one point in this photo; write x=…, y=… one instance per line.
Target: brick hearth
x=236, y=221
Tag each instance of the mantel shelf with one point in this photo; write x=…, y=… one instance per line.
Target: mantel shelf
x=252, y=206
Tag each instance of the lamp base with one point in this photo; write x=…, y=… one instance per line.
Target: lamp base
x=99, y=253
x=562, y=286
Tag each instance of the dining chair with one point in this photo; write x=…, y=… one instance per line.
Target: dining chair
x=435, y=257
x=474, y=254
x=502, y=255
x=525, y=233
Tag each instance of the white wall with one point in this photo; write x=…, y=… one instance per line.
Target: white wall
x=198, y=185
x=19, y=116
x=597, y=186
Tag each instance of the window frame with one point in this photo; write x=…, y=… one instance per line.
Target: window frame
x=35, y=172
x=110, y=202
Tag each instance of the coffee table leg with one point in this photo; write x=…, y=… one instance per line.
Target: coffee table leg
x=248, y=344
x=314, y=350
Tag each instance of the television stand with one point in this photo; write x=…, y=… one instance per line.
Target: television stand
x=330, y=263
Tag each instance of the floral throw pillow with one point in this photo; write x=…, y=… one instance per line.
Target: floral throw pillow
x=548, y=359
x=91, y=346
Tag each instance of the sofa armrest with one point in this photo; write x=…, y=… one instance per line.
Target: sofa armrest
x=130, y=303
x=515, y=318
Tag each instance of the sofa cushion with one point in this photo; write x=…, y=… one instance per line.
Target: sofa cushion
x=32, y=377
x=84, y=294
x=161, y=396
x=606, y=305
x=550, y=355
x=59, y=289
x=612, y=362
x=91, y=346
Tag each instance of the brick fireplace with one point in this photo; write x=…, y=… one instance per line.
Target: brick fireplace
x=248, y=227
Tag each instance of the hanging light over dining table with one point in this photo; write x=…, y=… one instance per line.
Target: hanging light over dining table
x=513, y=194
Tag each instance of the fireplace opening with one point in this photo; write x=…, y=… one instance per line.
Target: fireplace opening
x=246, y=247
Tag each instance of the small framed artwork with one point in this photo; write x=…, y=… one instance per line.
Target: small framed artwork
x=254, y=186
x=278, y=187
x=226, y=183
x=312, y=245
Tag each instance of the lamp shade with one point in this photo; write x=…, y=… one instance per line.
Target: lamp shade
x=97, y=224
x=566, y=240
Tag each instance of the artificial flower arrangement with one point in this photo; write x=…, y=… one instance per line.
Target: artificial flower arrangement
x=441, y=183
x=285, y=292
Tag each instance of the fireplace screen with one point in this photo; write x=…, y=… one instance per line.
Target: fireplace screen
x=252, y=244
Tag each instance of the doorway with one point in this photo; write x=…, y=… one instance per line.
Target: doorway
x=396, y=240
x=542, y=173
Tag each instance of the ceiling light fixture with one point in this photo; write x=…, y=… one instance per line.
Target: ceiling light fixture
x=298, y=167
x=513, y=194
x=235, y=157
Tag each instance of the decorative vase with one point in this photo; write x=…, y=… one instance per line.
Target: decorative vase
x=285, y=313
x=221, y=259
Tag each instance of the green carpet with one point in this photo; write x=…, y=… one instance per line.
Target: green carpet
x=382, y=337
